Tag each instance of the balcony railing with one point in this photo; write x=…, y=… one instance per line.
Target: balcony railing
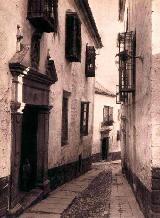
x=127, y=55
x=42, y=14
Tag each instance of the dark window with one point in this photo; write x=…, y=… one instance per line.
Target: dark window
x=118, y=135
x=108, y=115
x=64, y=139
x=84, y=118
x=35, y=49
x=43, y=14
x=90, y=61
x=73, y=37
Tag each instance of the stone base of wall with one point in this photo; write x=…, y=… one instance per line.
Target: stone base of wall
x=155, y=196
x=149, y=201
x=4, y=195
x=114, y=156
x=65, y=173
x=96, y=157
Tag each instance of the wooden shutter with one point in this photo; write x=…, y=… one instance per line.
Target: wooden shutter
x=84, y=118
x=73, y=38
x=90, y=61
x=78, y=38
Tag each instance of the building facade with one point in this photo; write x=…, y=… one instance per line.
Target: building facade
x=47, y=89
x=139, y=49
x=106, y=129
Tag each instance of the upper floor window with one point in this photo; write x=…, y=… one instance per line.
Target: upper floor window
x=43, y=14
x=108, y=115
x=35, y=49
x=84, y=118
x=90, y=61
x=73, y=37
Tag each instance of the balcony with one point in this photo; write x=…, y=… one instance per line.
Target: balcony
x=42, y=14
x=127, y=65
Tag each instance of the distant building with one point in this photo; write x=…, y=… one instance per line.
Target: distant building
x=47, y=65
x=106, y=134
x=139, y=94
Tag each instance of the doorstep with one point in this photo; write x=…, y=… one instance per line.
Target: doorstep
x=30, y=198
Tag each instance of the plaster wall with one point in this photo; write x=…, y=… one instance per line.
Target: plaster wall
x=71, y=77
x=138, y=108
x=155, y=78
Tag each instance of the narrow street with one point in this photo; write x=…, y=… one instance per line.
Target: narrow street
x=101, y=192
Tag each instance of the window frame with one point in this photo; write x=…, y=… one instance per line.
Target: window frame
x=90, y=61
x=84, y=118
x=73, y=41
x=65, y=118
x=108, y=119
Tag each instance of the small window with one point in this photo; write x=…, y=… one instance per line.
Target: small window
x=84, y=118
x=90, y=61
x=118, y=135
x=64, y=135
x=35, y=49
x=73, y=37
x=108, y=115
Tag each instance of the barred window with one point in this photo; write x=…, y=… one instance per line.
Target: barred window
x=108, y=115
x=64, y=133
x=84, y=118
x=90, y=61
x=43, y=14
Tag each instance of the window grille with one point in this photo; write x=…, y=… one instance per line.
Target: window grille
x=127, y=53
x=84, y=118
x=43, y=14
x=90, y=61
x=107, y=116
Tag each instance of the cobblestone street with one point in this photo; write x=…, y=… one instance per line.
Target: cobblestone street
x=102, y=192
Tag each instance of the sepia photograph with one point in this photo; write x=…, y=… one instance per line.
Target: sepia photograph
x=79, y=114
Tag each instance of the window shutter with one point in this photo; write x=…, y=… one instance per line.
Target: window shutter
x=73, y=38
x=90, y=61
x=78, y=38
x=87, y=116
x=84, y=118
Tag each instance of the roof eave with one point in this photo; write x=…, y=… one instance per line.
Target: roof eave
x=86, y=10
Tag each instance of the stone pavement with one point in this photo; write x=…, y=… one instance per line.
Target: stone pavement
x=122, y=203
x=58, y=200
x=74, y=199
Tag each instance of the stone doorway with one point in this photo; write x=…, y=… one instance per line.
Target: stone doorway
x=28, y=162
x=104, y=148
